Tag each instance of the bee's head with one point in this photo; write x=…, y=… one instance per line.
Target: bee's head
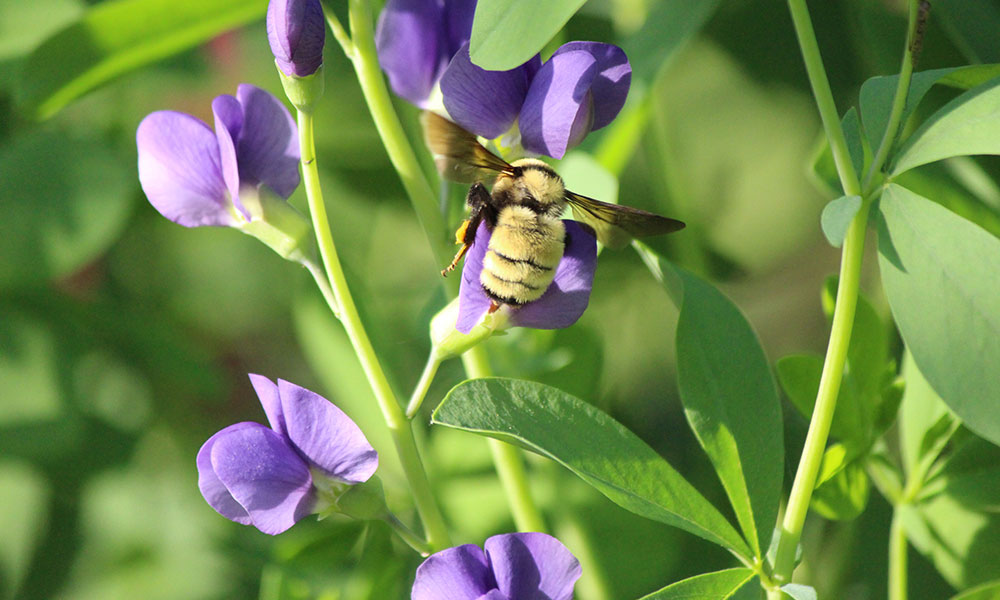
x=533, y=178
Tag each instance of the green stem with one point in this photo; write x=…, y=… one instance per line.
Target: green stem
x=324, y=286
x=393, y=136
x=899, y=100
x=897, y=557
x=824, y=97
x=407, y=536
x=843, y=315
x=399, y=426
x=420, y=391
x=507, y=458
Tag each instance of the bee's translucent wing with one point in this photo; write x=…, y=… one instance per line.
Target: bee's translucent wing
x=616, y=225
x=457, y=153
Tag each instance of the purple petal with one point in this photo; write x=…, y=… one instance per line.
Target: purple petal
x=179, y=170
x=558, y=110
x=228, y=125
x=267, y=392
x=409, y=40
x=483, y=102
x=212, y=488
x=569, y=293
x=532, y=566
x=265, y=475
x=459, y=573
x=614, y=76
x=268, y=146
x=458, y=16
x=296, y=31
x=472, y=300
x=325, y=435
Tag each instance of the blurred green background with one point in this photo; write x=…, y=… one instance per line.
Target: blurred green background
x=125, y=340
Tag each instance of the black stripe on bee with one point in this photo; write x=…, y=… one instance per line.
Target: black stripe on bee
x=520, y=261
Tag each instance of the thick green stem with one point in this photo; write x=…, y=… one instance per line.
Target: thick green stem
x=391, y=131
x=399, y=426
x=897, y=557
x=507, y=458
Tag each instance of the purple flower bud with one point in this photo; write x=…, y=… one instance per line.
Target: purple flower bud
x=195, y=177
x=417, y=38
x=561, y=305
x=266, y=477
x=514, y=565
x=296, y=31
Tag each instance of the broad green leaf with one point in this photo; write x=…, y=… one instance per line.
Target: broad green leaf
x=969, y=124
x=719, y=585
x=925, y=423
x=940, y=274
x=970, y=475
x=986, y=591
x=589, y=443
x=67, y=199
x=837, y=217
x=799, y=591
x=876, y=94
x=506, y=33
x=731, y=402
x=843, y=487
x=115, y=37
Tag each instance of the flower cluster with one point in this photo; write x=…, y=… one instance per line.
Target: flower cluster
x=554, y=105
x=514, y=566
x=273, y=477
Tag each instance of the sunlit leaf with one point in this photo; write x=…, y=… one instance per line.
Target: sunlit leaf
x=940, y=273
x=719, y=585
x=588, y=442
x=506, y=33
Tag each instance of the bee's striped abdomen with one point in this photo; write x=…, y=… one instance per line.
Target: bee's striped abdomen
x=523, y=254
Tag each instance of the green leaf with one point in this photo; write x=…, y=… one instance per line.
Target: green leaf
x=877, y=93
x=719, y=585
x=969, y=124
x=837, y=217
x=940, y=273
x=924, y=420
x=589, y=443
x=961, y=543
x=799, y=591
x=731, y=401
x=507, y=33
x=68, y=200
x=116, y=37
x=842, y=487
x=986, y=591
x=970, y=475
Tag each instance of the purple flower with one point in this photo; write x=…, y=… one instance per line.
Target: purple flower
x=273, y=477
x=196, y=177
x=582, y=87
x=416, y=39
x=560, y=306
x=296, y=31
x=515, y=566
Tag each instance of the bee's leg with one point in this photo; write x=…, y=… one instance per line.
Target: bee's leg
x=478, y=200
x=494, y=306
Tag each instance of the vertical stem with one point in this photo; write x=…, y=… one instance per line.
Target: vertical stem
x=897, y=557
x=391, y=130
x=399, y=426
x=507, y=458
x=426, y=378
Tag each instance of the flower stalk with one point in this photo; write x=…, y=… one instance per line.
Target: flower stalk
x=850, y=274
x=399, y=426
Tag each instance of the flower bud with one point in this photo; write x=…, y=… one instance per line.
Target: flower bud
x=296, y=31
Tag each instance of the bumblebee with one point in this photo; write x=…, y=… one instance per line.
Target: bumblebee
x=524, y=213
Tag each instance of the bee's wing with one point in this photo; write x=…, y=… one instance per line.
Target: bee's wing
x=616, y=225
x=457, y=153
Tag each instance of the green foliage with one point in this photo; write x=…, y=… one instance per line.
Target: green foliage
x=596, y=448
x=731, y=403
x=506, y=33
x=113, y=38
x=837, y=217
x=720, y=585
x=939, y=272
